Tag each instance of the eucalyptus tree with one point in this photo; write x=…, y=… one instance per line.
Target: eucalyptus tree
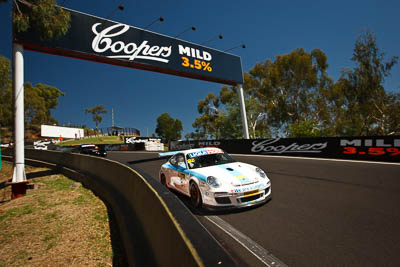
x=96, y=112
x=5, y=93
x=50, y=20
x=365, y=99
x=168, y=128
x=208, y=124
x=39, y=100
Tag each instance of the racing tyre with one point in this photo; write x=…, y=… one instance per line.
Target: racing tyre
x=195, y=195
x=163, y=181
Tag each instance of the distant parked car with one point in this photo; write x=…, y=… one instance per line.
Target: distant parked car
x=211, y=178
x=91, y=150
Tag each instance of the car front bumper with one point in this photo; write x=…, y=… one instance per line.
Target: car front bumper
x=237, y=200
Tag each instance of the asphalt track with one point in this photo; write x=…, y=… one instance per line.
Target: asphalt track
x=322, y=212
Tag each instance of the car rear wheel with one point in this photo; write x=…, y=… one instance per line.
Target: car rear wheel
x=195, y=195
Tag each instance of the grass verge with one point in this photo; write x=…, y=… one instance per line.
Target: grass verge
x=94, y=140
x=58, y=223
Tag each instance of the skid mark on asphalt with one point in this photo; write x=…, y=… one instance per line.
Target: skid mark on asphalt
x=258, y=251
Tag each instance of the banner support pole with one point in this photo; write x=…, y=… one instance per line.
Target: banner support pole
x=19, y=181
x=242, y=106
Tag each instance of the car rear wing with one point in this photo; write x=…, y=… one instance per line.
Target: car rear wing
x=167, y=154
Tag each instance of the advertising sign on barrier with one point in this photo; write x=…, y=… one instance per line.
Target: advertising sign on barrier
x=378, y=148
x=135, y=139
x=96, y=39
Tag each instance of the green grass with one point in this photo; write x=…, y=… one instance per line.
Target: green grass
x=18, y=212
x=51, y=245
x=94, y=140
x=100, y=217
x=59, y=183
x=10, y=212
x=81, y=200
x=49, y=237
x=35, y=219
x=21, y=254
x=50, y=216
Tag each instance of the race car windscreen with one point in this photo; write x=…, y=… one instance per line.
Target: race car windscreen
x=209, y=160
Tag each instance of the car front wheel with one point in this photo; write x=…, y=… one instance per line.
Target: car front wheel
x=195, y=195
x=163, y=180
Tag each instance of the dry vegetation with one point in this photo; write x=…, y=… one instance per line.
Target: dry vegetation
x=58, y=223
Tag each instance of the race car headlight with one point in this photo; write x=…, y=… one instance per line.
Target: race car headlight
x=213, y=181
x=261, y=173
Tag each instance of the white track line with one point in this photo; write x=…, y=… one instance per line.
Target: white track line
x=258, y=251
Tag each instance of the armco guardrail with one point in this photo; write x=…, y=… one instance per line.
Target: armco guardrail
x=376, y=148
x=156, y=228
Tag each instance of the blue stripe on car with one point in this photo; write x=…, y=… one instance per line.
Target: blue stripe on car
x=190, y=172
x=238, y=175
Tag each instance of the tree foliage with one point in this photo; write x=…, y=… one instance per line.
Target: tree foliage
x=168, y=128
x=96, y=112
x=5, y=92
x=277, y=94
x=50, y=20
x=39, y=100
x=294, y=96
x=361, y=92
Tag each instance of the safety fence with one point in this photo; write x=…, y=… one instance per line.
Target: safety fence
x=156, y=228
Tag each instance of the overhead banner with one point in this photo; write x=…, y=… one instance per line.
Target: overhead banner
x=376, y=148
x=96, y=39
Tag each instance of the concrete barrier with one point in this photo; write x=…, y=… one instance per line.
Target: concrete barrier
x=156, y=228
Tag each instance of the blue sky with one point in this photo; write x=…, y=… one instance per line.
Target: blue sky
x=268, y=28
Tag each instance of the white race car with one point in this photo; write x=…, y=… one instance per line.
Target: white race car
x=210, y=177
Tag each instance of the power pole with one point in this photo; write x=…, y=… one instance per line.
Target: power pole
x=112, y=117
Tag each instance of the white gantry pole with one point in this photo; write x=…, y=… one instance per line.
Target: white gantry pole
x=19, y=178
x=239, y=89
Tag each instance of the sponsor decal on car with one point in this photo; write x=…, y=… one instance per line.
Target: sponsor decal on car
x=206, y=151
x=248, y=188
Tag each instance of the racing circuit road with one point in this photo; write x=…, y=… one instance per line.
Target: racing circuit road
x=322, y=212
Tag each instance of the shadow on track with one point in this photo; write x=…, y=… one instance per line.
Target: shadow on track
x=216, y=211
x=186, y=200
x=143, y=160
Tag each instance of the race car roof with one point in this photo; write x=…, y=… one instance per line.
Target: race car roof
x=194, y=152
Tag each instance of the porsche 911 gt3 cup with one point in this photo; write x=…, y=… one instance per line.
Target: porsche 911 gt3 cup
x=210, y=177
